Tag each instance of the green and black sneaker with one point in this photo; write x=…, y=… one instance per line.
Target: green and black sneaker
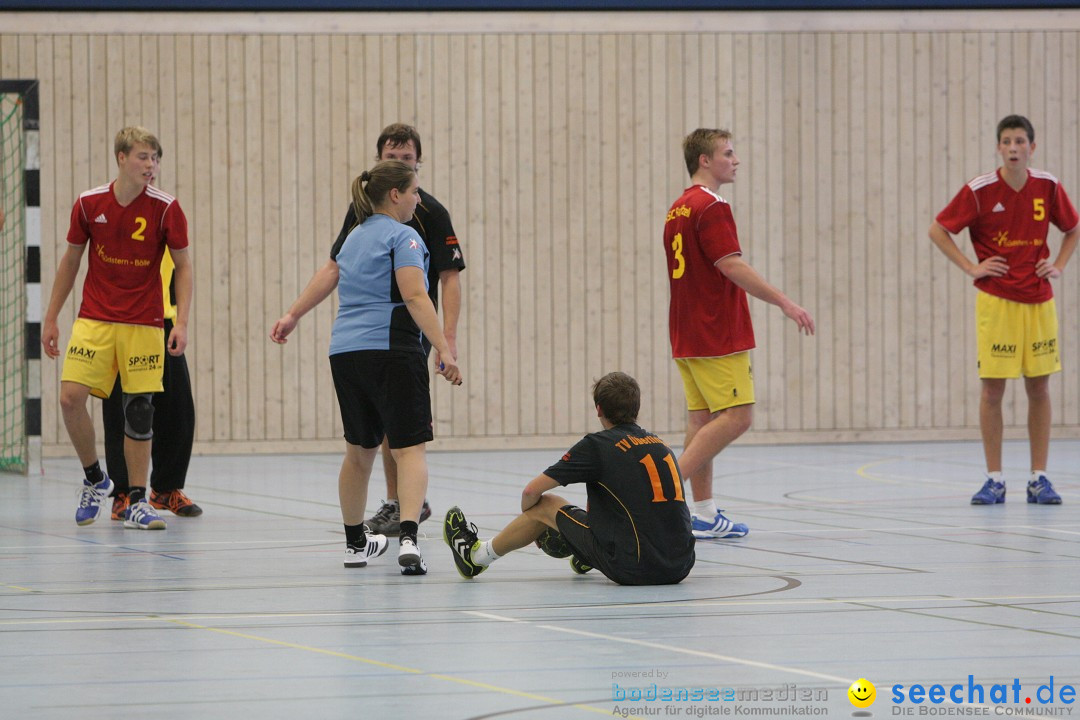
x=460, y=535
x=578, y=566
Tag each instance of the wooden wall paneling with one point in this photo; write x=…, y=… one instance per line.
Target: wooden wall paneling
x=293, y=273
x=644, y=223
x=335, y=192
x=471, y=211
x=857, y=317
x=271, y=239
x=541, y=162
x=787, y=413
x=621, y=241
x=180, y=177
x=897, y=296
x=842, y=289
x=36, y=55
x=235, y=234
x=218, y=143
x=405, y=46
x=252, y=241
x=1063, y=158
x=589, y=290
x=765, y=172
x=876, y=325
x=511, y=129
x=606, y=264
x=204, y=357
x=560, y=219
x=981, y=158
x=534, y=377
x=582, y=149
x=495, y=401
x=670, y=126
x=802, y=284
x=325, y=83
x=820, y=396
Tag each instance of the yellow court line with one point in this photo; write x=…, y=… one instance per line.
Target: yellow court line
x=390, y=666
x=18, y=587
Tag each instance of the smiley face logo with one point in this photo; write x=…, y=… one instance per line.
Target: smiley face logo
x=862, y=693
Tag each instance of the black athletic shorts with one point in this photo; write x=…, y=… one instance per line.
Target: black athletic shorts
x=573, y=523
x=383, y=392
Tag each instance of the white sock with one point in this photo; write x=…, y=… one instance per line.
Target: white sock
x=1036, y=473
x=484, y=554
x=996, y=476
x=705, y=509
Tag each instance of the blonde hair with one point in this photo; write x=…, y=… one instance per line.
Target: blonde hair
x=701, y=142
x=131, y=136
x=371, y=187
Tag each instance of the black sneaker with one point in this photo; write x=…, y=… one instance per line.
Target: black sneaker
x=579, y=566
x=460, y=535
x=386, y=520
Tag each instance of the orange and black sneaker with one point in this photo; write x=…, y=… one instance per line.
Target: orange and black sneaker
x=175, y=501
x=119, y=505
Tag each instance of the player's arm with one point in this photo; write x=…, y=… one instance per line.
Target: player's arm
x=66, y=272
x=450, y=289
x=990, y=267
x=410, y=281
x=535, y=489
x=183, y=280
x=320, y=286
x=1045, y=268
x=738, y=271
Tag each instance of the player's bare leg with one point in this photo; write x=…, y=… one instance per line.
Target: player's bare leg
x=1039, y=417
x=990, y=421
x=706, y=436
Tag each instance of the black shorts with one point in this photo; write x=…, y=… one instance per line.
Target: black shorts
x=383, y=392
x=573, y=523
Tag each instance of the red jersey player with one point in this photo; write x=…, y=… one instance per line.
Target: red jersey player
x=127, y=226
x=709, y=320
x=1008, y=214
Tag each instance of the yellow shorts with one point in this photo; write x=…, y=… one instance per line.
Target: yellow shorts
x=98, y=349
x=718, y=383
x=1016, y=338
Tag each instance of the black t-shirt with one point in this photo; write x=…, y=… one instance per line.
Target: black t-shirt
x=636, y=506
x=432, y=221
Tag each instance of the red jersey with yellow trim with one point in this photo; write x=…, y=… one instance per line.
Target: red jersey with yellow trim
x=123, y=280
x=1012, y=224
x=708, y=315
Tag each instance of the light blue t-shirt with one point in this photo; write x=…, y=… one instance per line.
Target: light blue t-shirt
x=371, y=314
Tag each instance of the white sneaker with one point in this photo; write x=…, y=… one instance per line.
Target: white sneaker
x=410, y=559
x=357, y=557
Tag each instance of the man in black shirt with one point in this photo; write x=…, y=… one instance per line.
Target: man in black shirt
x=637, y=528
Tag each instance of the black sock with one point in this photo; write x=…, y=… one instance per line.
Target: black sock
x=136, y=494
x=93, y=473
x=355, y=536
x=408, y=530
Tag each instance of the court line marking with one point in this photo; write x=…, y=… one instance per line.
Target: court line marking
x=389, y=666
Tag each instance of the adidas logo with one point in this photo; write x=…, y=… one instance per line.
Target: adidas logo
x=999, y=208
x=101, y=219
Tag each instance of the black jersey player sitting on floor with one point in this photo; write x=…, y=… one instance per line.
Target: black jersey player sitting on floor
x=637, y=528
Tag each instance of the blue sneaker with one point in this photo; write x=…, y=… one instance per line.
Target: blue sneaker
x=91, y=499
x=717, y=527
x=990, y=493
x=1042, y=492
x=143, y=517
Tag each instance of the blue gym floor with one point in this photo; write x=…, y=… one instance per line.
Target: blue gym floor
x=863, y=561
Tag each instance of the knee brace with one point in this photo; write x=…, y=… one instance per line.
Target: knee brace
x=138, y=416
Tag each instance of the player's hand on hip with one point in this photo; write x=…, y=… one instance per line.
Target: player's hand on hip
x=1046, y=269
x=177, y=342
x=990, y=267
x=280, y=332
x=50, y=337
